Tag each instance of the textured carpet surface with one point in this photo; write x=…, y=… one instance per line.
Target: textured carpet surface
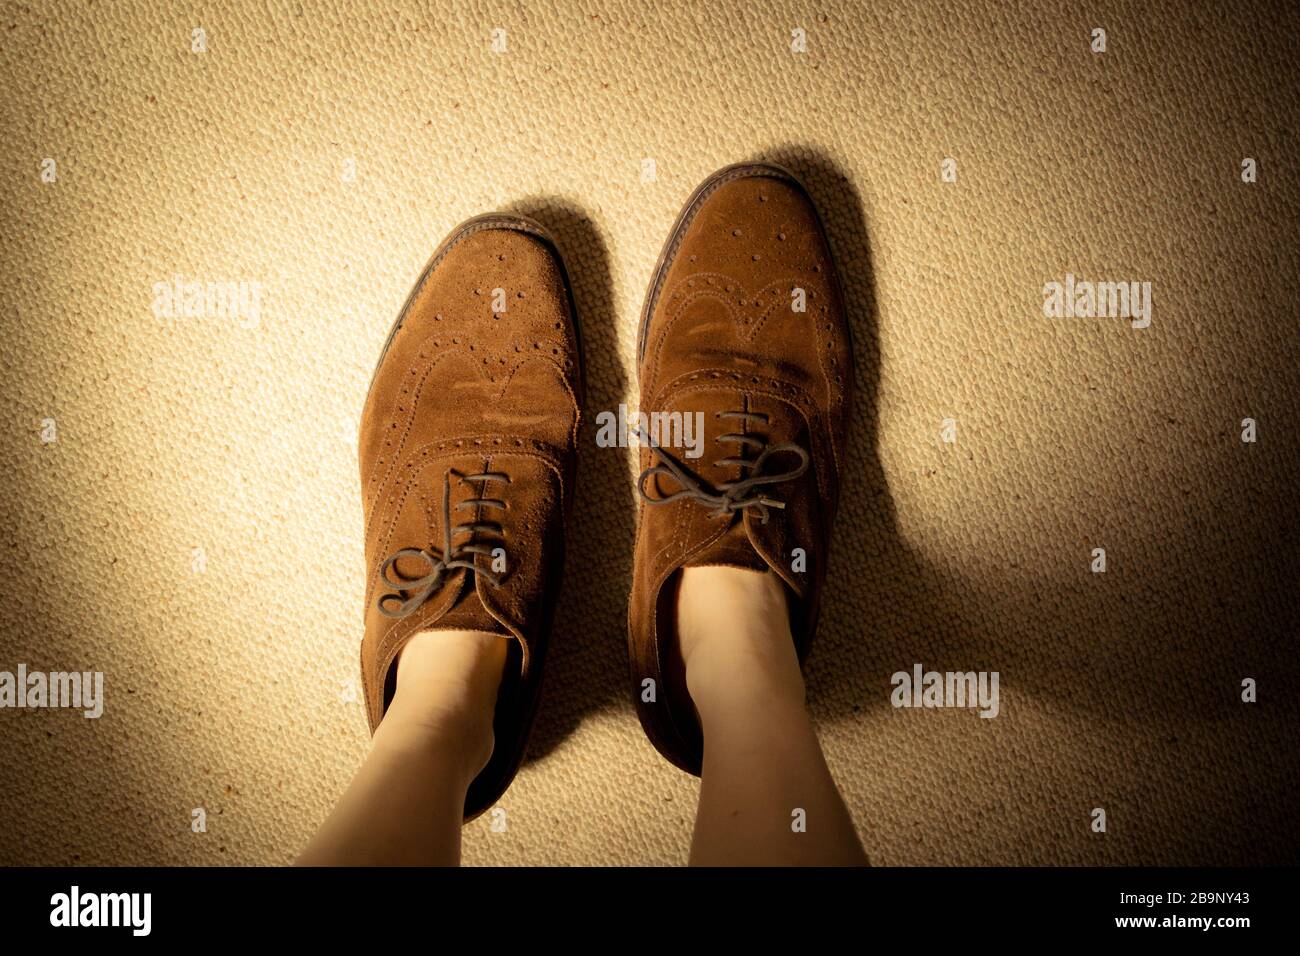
x=180, y=506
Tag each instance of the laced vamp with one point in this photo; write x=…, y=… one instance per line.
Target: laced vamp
x=421, y=588
x=730, y=496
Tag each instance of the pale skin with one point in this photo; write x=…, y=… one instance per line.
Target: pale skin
x=762, y=761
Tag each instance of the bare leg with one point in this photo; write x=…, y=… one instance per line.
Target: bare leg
x=762, y=762
x=405, y=804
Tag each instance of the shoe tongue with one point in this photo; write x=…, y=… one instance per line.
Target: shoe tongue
x=468, y=613
x=732, y=550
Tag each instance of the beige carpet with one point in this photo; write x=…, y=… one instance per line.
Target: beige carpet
x=194, y=528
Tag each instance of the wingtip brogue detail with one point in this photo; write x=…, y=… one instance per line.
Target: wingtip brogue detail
x=468, y=446
x=743, y=322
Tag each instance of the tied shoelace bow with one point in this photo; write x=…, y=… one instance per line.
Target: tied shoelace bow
x=453, y=556
x=729, y=496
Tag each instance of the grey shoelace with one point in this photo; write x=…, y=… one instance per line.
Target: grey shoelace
x=729, y=496
x=453, y=556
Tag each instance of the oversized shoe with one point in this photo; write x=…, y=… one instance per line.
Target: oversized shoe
x=468, y=446
x=744, y=322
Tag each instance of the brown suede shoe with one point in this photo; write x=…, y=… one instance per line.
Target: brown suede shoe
x=743, y=322
x=468, y=443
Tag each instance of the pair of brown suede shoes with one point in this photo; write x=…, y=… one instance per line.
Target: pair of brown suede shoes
x=470, y=433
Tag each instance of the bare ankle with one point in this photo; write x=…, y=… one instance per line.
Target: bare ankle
x=733, y=628
x=446, y=693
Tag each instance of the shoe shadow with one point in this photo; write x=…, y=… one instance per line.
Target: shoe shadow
x=840, y=667
x=888, y=606
x=586, y=669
